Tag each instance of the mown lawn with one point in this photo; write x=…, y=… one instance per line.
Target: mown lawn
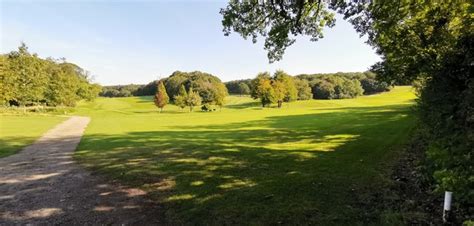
x=311, y=162
x=18, y=131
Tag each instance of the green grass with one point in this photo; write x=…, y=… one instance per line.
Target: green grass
x=19, y=131
x=311, y=162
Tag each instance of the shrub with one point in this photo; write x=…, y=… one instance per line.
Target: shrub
x=372, y=86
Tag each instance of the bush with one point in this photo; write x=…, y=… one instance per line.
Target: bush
x=207, y=107
x=448, y=121
x=372, y=86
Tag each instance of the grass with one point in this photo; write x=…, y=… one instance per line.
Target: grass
x=311, y=162
x=19, y=131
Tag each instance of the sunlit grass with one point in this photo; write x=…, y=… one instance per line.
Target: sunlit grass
x=307, y=163
x=18, y=131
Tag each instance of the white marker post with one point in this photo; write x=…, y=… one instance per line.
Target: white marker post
x=448, y=196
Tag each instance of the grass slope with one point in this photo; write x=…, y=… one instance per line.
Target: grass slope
x=311, y=162
x=17, y=132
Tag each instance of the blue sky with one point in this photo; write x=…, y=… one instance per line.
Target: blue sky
x=122, y=42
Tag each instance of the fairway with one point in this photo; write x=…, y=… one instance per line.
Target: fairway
x=18, y=131
x=314, y=161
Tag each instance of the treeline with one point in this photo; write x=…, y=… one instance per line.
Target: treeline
x=120, y=91
x=322, y=86
x=209, y=87
x=241, y=87
x=344, y=85
x=28, y=80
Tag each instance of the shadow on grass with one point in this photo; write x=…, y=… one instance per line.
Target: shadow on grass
x=298, y=169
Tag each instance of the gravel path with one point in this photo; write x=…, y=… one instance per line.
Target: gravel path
x=43, y=185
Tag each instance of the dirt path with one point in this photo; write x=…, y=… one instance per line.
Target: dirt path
x=43, y=185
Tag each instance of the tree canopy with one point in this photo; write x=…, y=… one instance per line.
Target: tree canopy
x=277, y=22
x=28, y=80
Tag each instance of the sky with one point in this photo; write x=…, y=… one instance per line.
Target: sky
x=123, y=42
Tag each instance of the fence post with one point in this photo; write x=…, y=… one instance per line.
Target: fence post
x=447, y=206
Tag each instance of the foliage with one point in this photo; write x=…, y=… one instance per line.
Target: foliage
x=336, y=87
x=180, y=99
x=263, y=89
x=244, y=89
x=348, y=88
x=209, y=87
x=277, y=21
x=449, y=123
x=193, y=99
x=288, y=84
x=233, y=87
x=207, y=107
x=279, y=91
x=323, y=89
x=121, y=90
x=148, y=89
x=304, y=90
x=28, y=80
x=372, y=86
x=161, y=98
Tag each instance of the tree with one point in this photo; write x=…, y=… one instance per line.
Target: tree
x=193, y=99
x=30, y=77
x=220, y=95
x=290, y=91
x=244, y=89
x=161, y=97
x=180, y=99
x=277, y=21
x=304, y=90
x=7, y=80
x=262, y=89
x=28, y=80
x=234, y=86
x=279, y=92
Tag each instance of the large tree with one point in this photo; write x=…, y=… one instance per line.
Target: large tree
x=277, y=21
x=263, y=89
